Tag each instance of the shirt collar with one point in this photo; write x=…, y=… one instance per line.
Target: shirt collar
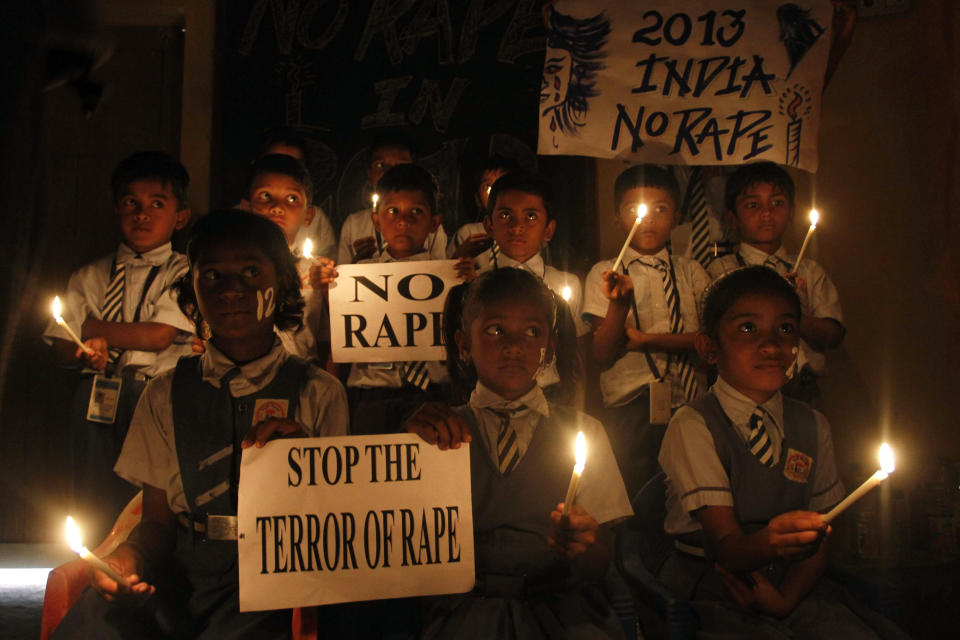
x=632, y=255
x=154, y=257
x=534, y=265
x=485, y=398
x=386, y=257
x=254, y=375
x=739, y=407
x=752, y=255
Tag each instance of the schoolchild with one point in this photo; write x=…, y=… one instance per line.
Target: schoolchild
x=747, y=469
x=382, y=395
x=359, y=237
x=122, y=308
x=644, y=319
x=521, y=222
x=760, y=205
x=538, y=571
x=186, y=438
x=472, y=238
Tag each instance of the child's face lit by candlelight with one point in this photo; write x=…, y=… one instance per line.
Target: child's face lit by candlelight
x=520, y=225
x=149, y=213
x=762, y=215
x=405, y=220
x=654, y=231
x=283, y=200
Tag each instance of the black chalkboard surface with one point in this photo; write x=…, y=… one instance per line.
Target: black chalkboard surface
x=461, y=76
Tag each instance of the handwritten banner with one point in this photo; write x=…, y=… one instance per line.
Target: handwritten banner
x=390, y=312
x=328, y=520
x=661, y=81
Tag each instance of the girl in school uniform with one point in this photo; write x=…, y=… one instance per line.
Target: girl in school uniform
x=537, y=570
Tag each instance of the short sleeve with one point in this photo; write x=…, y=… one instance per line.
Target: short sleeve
x=689, y=459
x=323, y=405
x=594, y=302
x=824, y=299
x=827, y=489
x=345, y=246
x=326, y=236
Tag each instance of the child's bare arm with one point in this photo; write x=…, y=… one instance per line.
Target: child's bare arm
x=821, y=333
x=609, y=332
x=141, y=336
x=637, y=339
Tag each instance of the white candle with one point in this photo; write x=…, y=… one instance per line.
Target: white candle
x=76, y=543
x=886, y=468
x=308, y=249
x=641, y=212
x=580, y=451
x=814, y=219
x=55, y=307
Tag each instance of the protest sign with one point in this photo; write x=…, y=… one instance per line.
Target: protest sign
x=390, y=311
x=711, y=82
x=328, y=520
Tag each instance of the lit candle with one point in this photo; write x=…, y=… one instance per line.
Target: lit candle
x=566, y=292
x=814, y=218
x=375, y=198
x=641, y=212
x=580, y=450
x=55, y=307
x=76, y=543
x=308, y=249
x=886, y=468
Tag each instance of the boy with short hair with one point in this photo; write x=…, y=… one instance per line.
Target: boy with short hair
x=122, y=308
x=472, y=238
x=359, y=237
x=760, y=204
x=644, y=319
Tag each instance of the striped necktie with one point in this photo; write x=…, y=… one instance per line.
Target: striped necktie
x=112, y=309
x=759, y=442
x=688, y=380
x=415, y=373
x=508, y=452
x=778, y=264
x=696, y=209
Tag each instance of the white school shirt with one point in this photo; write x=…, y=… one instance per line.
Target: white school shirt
x=820, y=300
x=485, y=258
x=625, y=379
x=359, y=224
x=321, y=234
x=88, y=285
x=363, y=374
x=696, y=477
x=149, y=453
x=600, y=491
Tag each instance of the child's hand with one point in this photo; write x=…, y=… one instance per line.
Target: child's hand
x=199, y=345
x=364, y=248
x=636, y=339
x=272, y=428
x=762, y=596
x=801, y=287
x=474, y=245
x=96, y=360
x=466, y=268
x=322, y=272
x=795, y=532
x=127, y=563
x=438, y=424
x=572, y=534
x=617, y=287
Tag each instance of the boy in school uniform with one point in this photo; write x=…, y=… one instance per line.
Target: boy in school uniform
x=359, y=237
x=644, y=319
x=472, y=238
x=760, y=204
x=122, y=308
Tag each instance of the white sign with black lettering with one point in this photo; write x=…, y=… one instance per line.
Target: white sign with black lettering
x=328, y=520
x=390, y=311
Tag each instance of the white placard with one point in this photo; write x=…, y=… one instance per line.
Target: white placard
x=707, y=82
x=328, y=520
x=390, y=311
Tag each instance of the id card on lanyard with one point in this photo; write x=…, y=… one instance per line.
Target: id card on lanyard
x=661, y=392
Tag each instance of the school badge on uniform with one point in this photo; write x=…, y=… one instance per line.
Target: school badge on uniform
x=266, y=408
x=797, y=466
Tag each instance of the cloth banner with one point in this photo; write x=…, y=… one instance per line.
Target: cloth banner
x=390, y=311
x=328, y=520
x=708, y=82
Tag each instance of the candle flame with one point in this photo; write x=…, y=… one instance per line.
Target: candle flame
x=886, y=458
x=73, y=536
x=814, y=218
x=641, y=212
x=375, y=198
x=580, y=450
x=308, y=248
x=55, y=307
x=566, y=292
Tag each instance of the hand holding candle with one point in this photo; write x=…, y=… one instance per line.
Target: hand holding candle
x=886, y=468
x=580, y=450
x=56, y=308
x=76, y=543
x=641, y=213
x=814, y=219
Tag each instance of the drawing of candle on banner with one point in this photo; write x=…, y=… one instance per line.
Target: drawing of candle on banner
x=797, y=101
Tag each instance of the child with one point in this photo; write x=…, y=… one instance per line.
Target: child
x=537, y=570
x=279, y=190
x=472, y=238
x=243, y=283
x=644, y=319
x=382, y=395
x=122, y=308
x=760, y=201
x=747, y=469
x=359, y=239
x=521, y=223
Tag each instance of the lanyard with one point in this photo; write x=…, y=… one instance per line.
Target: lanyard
x=654, y=369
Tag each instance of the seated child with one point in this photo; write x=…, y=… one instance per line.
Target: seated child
x=760, y=203
x=644, y=319
x=538, y=570
x=359, y=239
x=279, y=189
x=521, y=223
x=747, y=469
x=122, y=308
x=382, y=395
x=243, y=283
x=472, y=238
